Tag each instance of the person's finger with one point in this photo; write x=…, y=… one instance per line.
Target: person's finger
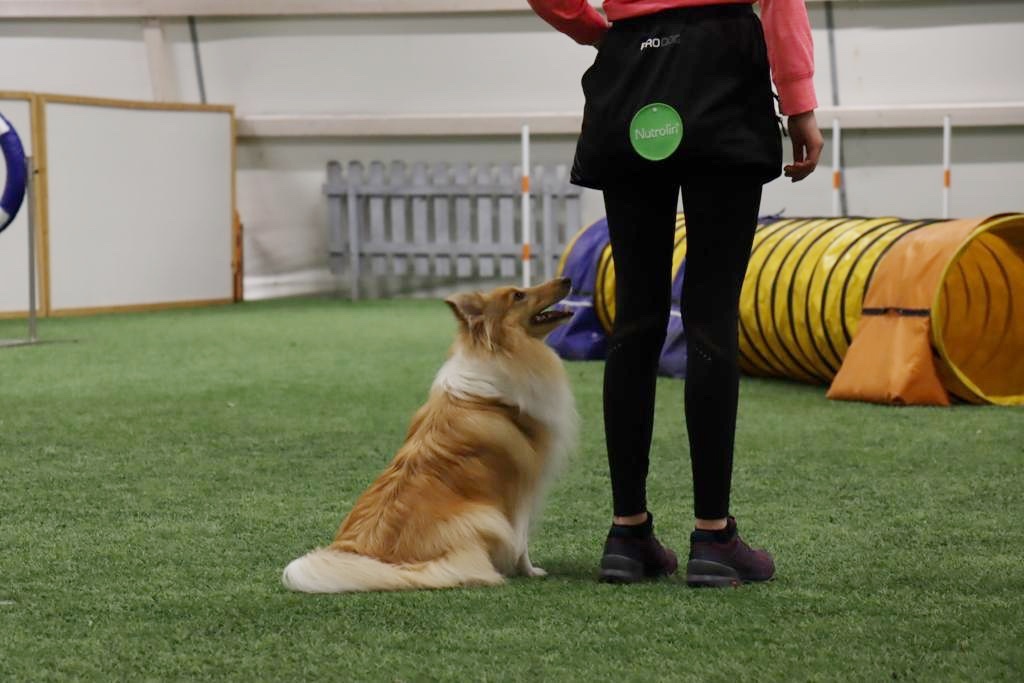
x=799, y=170
x=802, y=170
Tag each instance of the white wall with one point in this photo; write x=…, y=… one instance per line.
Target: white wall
x=410, y=65
x=937, y=51
x=891, y=52
x=101, y=58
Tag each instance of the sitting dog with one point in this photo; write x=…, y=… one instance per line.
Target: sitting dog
x=454, y=506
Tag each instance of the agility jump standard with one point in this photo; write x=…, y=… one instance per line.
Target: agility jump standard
x=16, y=188
x=17, y=173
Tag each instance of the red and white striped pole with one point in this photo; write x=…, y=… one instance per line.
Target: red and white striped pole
x=947, y=175
x=526, y=204
x=837, y=170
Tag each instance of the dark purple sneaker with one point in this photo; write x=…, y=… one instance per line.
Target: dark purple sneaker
x=721, y=558
x=633, y=553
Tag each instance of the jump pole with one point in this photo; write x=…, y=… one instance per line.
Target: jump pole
x=525, y=187
x=33, y=336
x=947, y=174
x=837, y=170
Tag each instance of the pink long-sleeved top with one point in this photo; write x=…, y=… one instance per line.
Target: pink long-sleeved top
x=786, y=26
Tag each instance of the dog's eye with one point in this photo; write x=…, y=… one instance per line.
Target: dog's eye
x=519, y=296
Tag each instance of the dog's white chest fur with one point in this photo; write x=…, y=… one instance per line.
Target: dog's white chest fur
x=544, y=394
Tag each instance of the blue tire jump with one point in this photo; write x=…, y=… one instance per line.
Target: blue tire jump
x=17, y=173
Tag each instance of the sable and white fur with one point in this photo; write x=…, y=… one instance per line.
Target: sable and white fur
x=454, y=507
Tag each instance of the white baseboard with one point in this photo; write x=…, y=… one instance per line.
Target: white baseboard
x=296, y=283
x=320, y=281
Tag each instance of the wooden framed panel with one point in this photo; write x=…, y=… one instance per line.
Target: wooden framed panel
x=140, y=204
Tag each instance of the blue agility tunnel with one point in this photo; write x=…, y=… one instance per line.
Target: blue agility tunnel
x=673, y=354
x=17, y=173
x=583, y=337
x=587, y=260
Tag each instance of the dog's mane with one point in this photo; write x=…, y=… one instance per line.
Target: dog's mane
x=538, y=389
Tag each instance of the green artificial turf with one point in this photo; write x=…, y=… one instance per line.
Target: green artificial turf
x=157, y=473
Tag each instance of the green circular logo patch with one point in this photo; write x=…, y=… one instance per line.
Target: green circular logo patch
x=656, y=131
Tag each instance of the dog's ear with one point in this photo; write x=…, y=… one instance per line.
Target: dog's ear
x=467, y=307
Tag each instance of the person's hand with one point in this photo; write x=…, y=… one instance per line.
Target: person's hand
x=807, y=145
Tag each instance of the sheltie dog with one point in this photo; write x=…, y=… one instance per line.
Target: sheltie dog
x=454, y=506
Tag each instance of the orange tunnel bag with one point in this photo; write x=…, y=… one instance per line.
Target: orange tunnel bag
x=943, y=316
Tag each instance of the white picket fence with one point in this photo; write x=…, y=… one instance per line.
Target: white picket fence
x=397, y=229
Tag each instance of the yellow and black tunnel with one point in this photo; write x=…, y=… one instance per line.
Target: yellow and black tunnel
x=811, y=281
x=604, y=292
x=802, y=295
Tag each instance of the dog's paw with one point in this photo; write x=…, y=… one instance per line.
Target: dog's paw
x=536, y=572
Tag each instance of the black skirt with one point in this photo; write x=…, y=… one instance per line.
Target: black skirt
x=679, y=93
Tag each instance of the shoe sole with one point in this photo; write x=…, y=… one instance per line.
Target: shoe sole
x=621, y=569
x=708, y=574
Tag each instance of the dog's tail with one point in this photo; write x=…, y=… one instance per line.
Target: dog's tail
x=325, y=570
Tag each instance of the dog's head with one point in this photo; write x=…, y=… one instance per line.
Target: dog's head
x=502, y=318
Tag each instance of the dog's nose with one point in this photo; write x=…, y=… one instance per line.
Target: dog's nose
x=565, y=281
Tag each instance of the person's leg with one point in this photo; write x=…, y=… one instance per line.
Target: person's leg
x=721, y=216
x=720, y=220
x=641, y=227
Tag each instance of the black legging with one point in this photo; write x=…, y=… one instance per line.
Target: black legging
x=721, y=215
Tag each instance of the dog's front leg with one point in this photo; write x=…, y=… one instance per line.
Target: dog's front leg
x=523, y=565
x=525, y=568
